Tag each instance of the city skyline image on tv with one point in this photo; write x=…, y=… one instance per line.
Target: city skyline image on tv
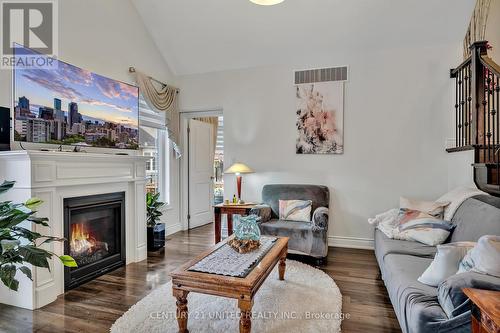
x=69, y=105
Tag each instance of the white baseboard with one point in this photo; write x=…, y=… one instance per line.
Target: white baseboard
x=335, y=241
x=350, y=242
x=172, y=229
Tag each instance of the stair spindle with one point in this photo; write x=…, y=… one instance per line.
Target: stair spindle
x=456, y=111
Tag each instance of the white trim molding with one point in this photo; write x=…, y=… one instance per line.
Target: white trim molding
x=351, y=242
x=172, y=229
x=185, y=115
x=55, y=176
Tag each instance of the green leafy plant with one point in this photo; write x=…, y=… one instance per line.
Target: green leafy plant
x=20, y=245
x=153, y=207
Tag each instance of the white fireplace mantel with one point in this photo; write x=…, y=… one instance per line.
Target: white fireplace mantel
x=54, y=176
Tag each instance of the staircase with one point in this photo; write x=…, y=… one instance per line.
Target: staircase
x=477, y=127
x=487, y=170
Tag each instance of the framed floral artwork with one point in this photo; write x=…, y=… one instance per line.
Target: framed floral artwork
x=320, y=118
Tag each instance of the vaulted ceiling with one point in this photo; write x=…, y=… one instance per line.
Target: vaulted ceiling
x=196, y=36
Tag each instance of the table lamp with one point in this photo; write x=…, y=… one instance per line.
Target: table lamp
x=238, y=169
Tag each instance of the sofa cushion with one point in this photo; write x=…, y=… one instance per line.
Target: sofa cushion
x=416, y=305
x=302, y=236
x=384, y=246
x=272, y=193
x=477, y=216
x=298, y=232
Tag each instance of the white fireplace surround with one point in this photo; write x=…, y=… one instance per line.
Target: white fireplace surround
x=54, y=176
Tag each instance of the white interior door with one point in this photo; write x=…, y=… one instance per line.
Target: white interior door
x=201, y=166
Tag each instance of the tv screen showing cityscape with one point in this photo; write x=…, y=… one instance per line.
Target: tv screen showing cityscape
x=68, y=105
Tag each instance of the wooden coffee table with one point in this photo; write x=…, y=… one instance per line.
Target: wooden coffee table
x=242, y=289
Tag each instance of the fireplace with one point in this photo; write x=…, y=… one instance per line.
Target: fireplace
x=94, y=227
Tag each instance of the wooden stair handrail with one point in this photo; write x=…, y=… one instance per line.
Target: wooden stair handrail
x=490, y=65
x=454, y=71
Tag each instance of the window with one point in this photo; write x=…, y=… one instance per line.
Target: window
x=154, y=143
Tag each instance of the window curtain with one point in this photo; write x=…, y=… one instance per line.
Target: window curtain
x=163, y=98
x=477, y=26
x=149, y=117
x=214, y=122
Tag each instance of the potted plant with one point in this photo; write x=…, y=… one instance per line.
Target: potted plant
x=156, y=230
x=20, y=245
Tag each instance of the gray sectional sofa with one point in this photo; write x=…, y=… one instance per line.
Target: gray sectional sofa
x=401, y=262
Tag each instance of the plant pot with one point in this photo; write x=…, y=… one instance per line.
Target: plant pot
x=156, y=237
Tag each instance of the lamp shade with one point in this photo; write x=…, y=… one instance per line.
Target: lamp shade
x=238, y=168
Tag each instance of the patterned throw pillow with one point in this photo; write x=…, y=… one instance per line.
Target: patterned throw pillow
x=422, y=227
x=295, y=210
x=434, y=208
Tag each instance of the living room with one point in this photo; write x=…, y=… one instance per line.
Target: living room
x=251, y=165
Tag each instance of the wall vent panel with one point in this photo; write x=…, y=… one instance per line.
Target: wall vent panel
x=321, y=75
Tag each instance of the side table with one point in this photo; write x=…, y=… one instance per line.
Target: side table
x=229, y=210
x=485, y=310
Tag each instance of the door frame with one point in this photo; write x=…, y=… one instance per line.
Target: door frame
x=185, y=115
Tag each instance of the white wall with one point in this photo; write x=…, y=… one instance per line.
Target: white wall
x=107, y=37
x=396, y=107
x=460, y=171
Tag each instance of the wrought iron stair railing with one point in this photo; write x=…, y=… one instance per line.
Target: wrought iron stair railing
x=477, y=126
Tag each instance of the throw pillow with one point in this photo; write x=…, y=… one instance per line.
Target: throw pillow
x=295, y=210
x=445, y=263
x=434, y=208
x=484, y=257
x=422, y=227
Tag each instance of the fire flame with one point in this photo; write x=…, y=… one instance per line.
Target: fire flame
x=81, y=240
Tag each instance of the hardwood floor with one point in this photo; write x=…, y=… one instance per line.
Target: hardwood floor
x=94, y=306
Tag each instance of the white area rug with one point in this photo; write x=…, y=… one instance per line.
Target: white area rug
x=307, y=301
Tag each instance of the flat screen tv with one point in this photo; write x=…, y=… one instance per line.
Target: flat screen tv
x=68, y=105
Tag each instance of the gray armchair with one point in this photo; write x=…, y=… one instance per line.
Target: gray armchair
x=310, y=238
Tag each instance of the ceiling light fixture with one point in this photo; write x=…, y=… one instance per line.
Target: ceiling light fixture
x=267, y=2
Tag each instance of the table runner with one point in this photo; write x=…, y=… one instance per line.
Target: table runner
x=227, y=261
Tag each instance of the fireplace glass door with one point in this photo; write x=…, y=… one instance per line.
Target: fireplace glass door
x=94, y=234
x=94, y=229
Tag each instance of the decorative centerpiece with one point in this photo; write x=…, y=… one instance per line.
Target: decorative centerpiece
x=246, y=235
